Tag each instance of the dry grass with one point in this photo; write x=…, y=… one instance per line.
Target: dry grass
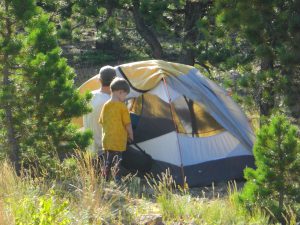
x=80, y=195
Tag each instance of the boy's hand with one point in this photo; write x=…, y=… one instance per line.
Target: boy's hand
x=129, y=132
x=130, y=139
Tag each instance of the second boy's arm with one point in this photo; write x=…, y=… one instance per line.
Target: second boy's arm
x=129, y=131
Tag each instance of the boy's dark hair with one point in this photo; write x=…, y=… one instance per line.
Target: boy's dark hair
x=119, y=84
x=106, y=75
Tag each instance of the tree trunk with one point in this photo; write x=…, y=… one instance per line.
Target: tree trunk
x=11, y=134
x=146, y=33
x=7, y=107
x=266, y=107
x=281, y=174
x=193, y=11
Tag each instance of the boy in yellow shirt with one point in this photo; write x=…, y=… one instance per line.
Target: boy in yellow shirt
x=116, y=126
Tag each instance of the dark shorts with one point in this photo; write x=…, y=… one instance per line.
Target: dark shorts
x=112, y=157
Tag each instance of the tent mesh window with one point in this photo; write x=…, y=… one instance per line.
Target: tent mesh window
x=191, y=118
x=155, y=118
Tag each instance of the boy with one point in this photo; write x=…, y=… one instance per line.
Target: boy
x=116, y=126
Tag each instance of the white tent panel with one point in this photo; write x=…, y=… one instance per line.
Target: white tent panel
x=198, y=150
x=160, y=91
x=163, y=148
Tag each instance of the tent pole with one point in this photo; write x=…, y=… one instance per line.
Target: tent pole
x=176, y=128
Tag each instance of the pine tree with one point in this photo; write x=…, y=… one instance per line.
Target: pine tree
x=13, y=17
x=38, y=95
x=271, y=30
x=276, y=181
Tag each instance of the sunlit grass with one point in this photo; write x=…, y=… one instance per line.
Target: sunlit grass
x=177, y=204
x=80, y=195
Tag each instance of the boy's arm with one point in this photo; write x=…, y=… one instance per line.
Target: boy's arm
x=129, y=131
x=100, y=119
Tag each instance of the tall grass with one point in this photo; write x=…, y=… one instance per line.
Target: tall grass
x=80, y=195
x=178, y=205
x=94, y=200
x=8, y=185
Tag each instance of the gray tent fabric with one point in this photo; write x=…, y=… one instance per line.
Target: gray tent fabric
x=222, y=108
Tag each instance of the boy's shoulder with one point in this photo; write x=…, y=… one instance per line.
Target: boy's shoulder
x=114, y=104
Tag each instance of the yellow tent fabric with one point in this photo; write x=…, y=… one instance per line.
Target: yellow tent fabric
x=145, y=75
x=90, y=85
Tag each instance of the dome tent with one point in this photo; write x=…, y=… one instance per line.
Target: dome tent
x=186, y=122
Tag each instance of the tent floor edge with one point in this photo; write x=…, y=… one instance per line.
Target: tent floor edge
x=206, y=173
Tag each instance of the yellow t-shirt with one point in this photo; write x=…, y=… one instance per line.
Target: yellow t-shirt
x=114, y=117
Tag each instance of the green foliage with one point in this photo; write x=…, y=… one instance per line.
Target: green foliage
x=256, y=88
x=53, y=93
x=96, y=57
x=275, y=183
x=153, y=11
x=39, y=92
x=44, y=210
x=23, y=9
x=65, y=32
x=271, y=36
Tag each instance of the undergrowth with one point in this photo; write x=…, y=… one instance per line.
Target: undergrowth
x=80, y=195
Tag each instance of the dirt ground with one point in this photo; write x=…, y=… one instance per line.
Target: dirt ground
x=218, y=190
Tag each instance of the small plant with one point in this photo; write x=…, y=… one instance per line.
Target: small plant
x=275, y=182
x=43, y=210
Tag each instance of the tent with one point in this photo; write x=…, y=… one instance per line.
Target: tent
x=186, y=122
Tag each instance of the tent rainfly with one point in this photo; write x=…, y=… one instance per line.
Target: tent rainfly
x=187, y=123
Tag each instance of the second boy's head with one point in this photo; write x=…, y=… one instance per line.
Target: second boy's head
x=119, y=88
x=106, y=75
